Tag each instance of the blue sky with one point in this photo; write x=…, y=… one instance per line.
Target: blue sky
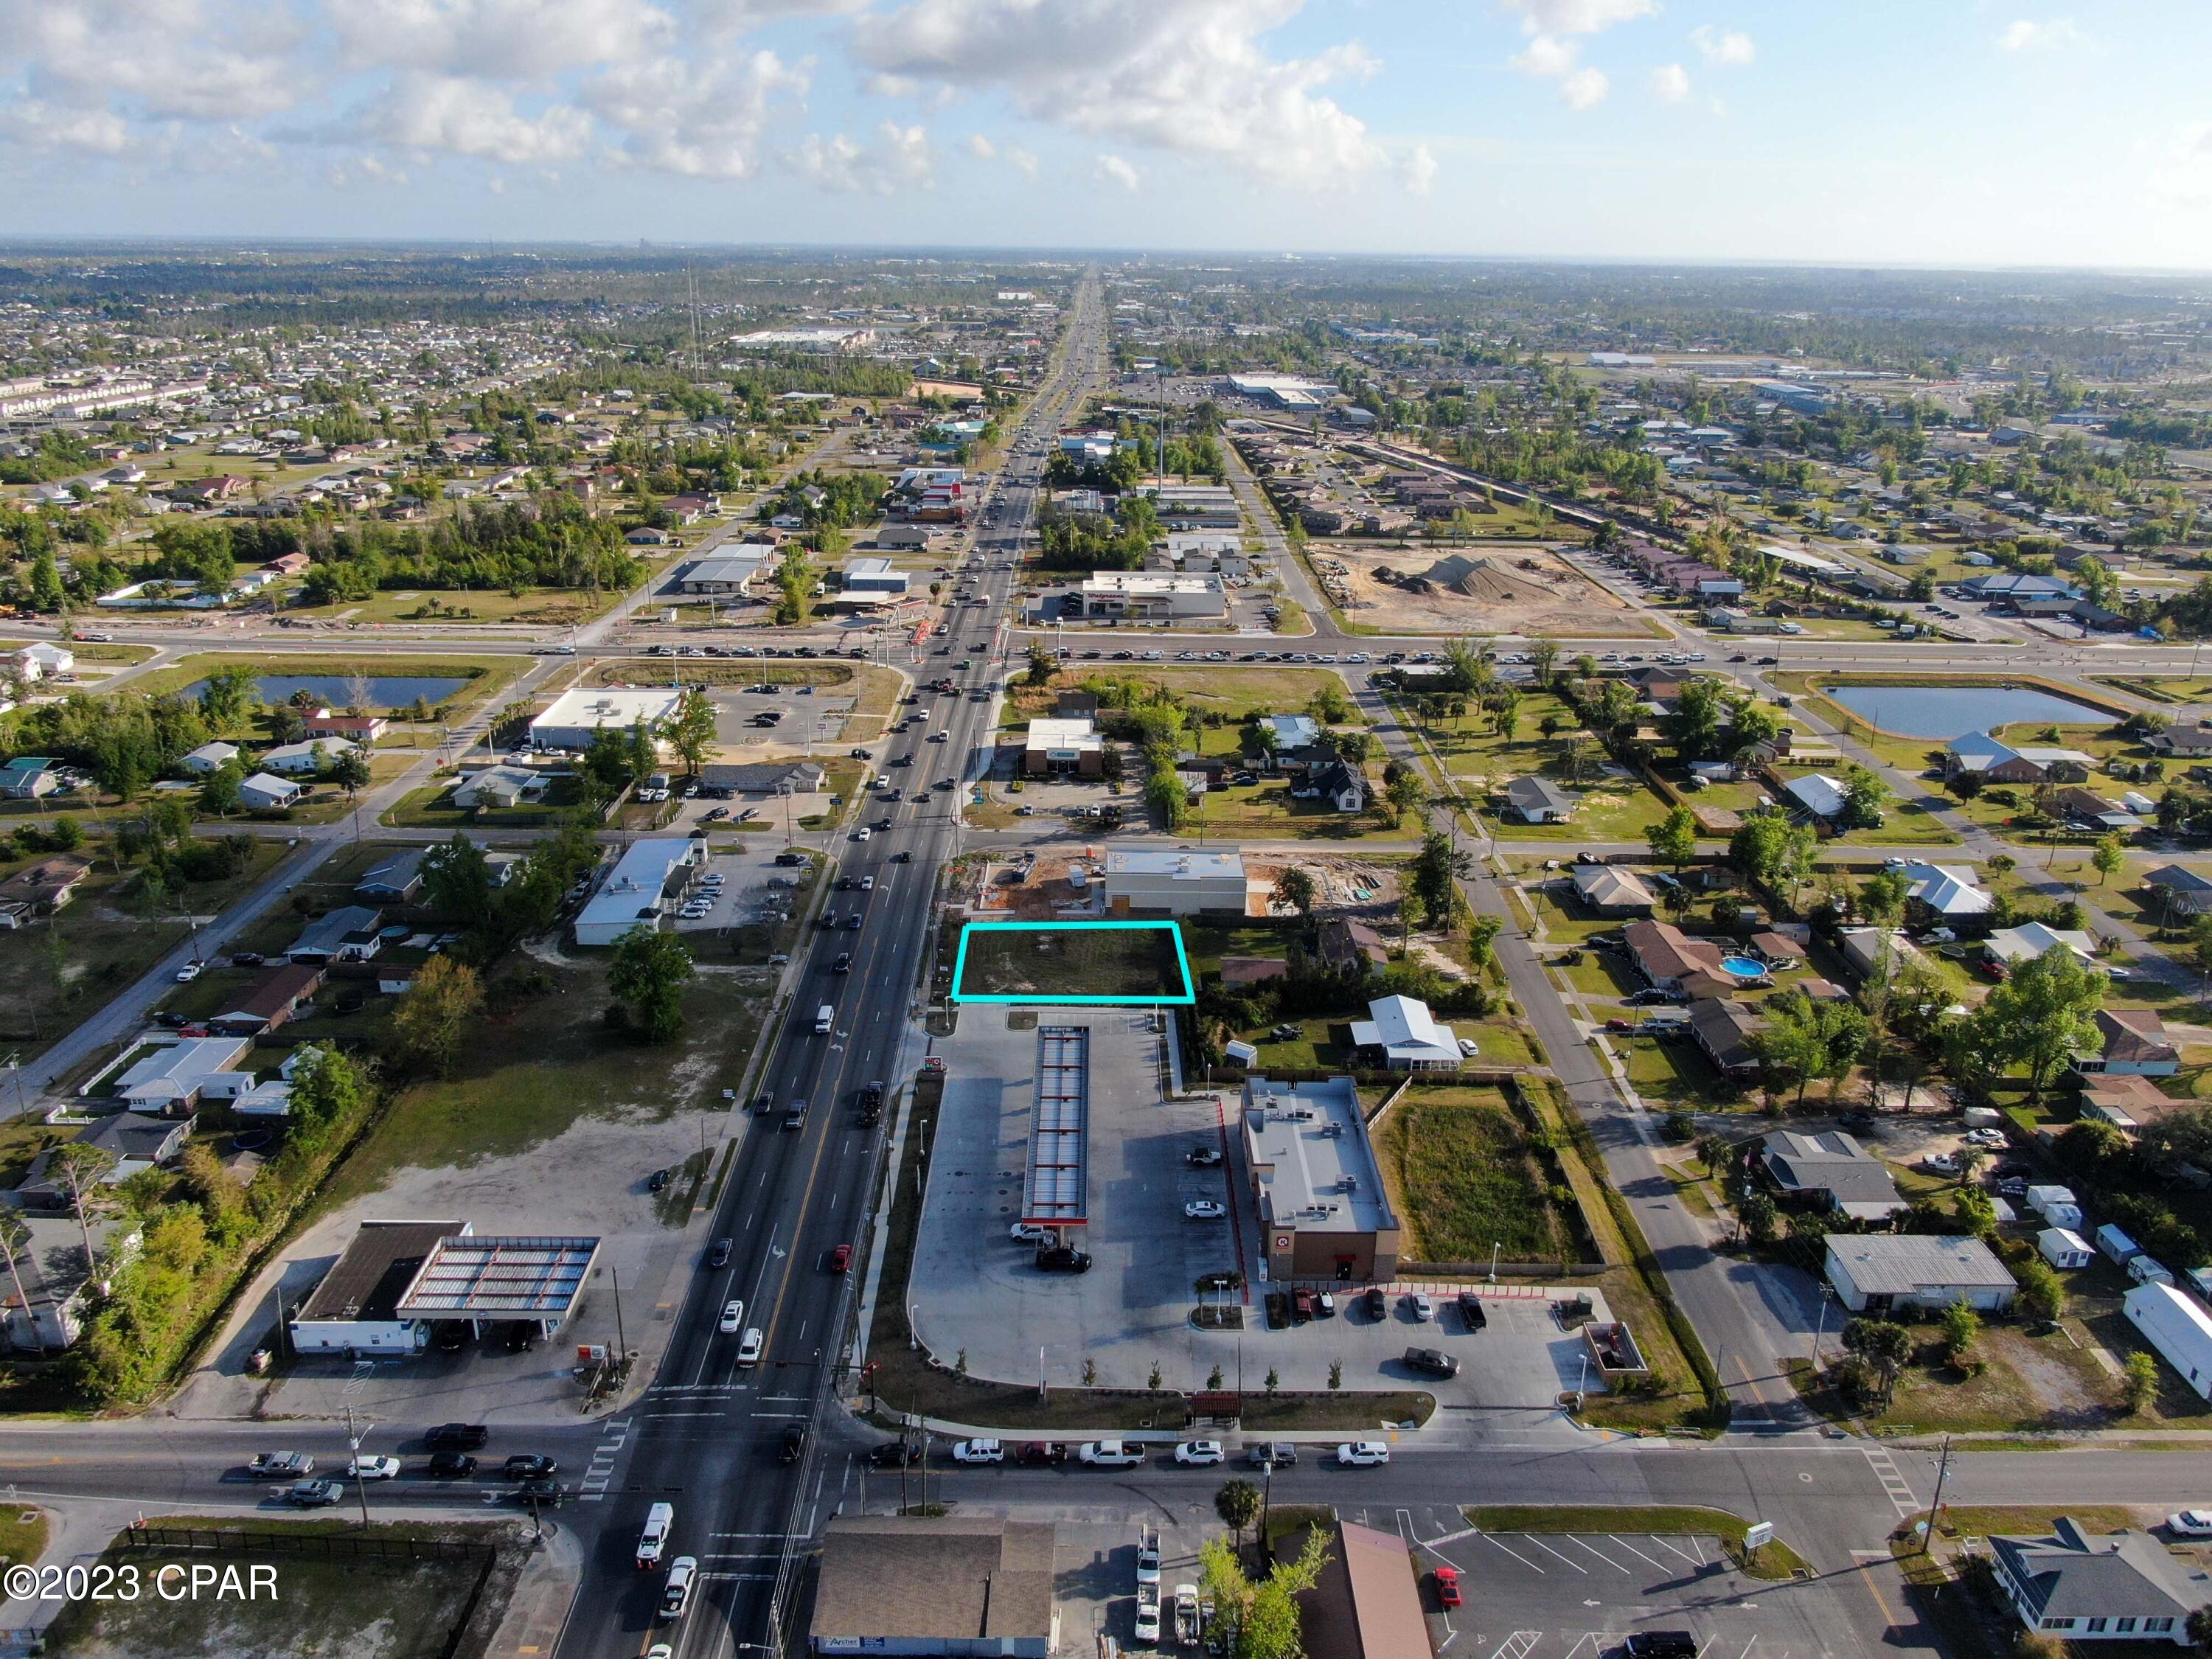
x=1943, y=132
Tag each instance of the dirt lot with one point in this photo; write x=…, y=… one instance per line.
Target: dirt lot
x=1481, y=588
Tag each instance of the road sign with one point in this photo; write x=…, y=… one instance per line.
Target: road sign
x=1759, y=1534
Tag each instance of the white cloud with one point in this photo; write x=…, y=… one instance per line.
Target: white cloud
x=44, y=126
x=1670, y=83
x=1547, y=56
x=981, y=148
x=181, y=59
x=366, y=169
x=901, y=159
x=2027, y=36
x=1724, y=48
x=1578, y=16
x=1585, y=88
x=1418, y=171
x=698, y=118
x=500, y=39
x=1114, y=170
x=454, y=115
x=1190, y=77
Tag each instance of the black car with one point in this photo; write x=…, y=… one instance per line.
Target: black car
x=789, y=857
x=656, y=1182
x=450, y=1466
x=794, y=1441
x=895, y=1454
x=1470, y=1309
x=853, y=922
x=529, y=1466
x=1202, y=1157
x=246, y=958
x=1379, y=1304
x=1661, y=1644
x=719, y=1256
x=457, y=1437
x=1432, y=1362
x=1063, y=1259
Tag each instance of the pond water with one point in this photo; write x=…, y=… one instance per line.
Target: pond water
x=385, y=690
x=1951, y=711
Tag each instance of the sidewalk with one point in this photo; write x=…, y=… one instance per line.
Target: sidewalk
x=538, y=1608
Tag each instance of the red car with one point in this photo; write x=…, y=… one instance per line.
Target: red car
x=1620, y=1025
x=1448, y=1586
x=841, y=1257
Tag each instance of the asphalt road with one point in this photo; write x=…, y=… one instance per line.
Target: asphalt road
x=706, y=1437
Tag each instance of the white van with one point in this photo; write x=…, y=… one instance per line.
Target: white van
x=822, y=1016
x=660, y=1521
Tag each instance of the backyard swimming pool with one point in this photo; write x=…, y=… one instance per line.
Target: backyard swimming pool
x=1743, y=967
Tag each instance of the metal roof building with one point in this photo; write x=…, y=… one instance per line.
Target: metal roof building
x=1055, y=1188
x=467, y=1277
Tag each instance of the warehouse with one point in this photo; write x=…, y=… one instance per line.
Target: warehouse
x=1323, y=1213
x=576, y=716
x=1879, y=1273
x=875, y=576
x=652, y=877
x=936, y=1584
x=1180, y=883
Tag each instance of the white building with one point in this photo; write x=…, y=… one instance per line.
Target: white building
x=1179, y=882
x=576, y=716
x=1408, y=1035
x=652, y=874
x=2178, y=1327
x=41, y=661
x=211, y=757
x=875, y=576
x=1152, y=594
x=1876, y=1272
x=2062, y=1247
x=171, y=1079
x=262, y=794
x=305, y=758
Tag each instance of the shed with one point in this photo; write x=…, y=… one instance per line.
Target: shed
x=2063, y=1248
x=2117, y=1247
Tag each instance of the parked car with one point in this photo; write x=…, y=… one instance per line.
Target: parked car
x=978, y=1451
x=1470, y=1309
x=1434, y=1361
x=1023, y=1232
x=1201, y=1453
x=1202, y=1157
x=1041, y=1452
x=1941, y=1164
x=1109, y=1453
x=1270, y=1454
x=1448, y=1587
x=1423, y=1309
x=1362, y=1453
x=895, y=1454
x=1661, y=1644
x=1205, y=1209
x=2190, y=1523
x=1063, y=1259
x=1378, y=1303
x=312, y=1494
x=372, y=1468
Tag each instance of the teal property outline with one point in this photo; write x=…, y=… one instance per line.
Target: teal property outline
x=1183, y=964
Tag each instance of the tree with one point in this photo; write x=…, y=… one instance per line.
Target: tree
x=1961, y=1325
x=649, y=973
x=692, y=733
x=1864, y=796
x=1405, y=794
x=15, y=1242
x=1882, y=898
x=1883, y=1343
x=1543, y=656
x=1674, y=839
x=1261, y=1620
x=1760, y=847
x=1295, y=887
x=1759, y=1217
x=79, y=1168
x=1434, y=878
x=1238, y=1503
x=456, y=882
x=220, y=791
x=2139, y=1382
x=1693, y=725
x=1041, y=666
x=229, y=697
x=795, y=582
x=1328, y=705
x=434, y=1010
x=1713, y=1152
x=2041, y=1294
x=2110, y=855
x=352, y=770
x=2039, y=1018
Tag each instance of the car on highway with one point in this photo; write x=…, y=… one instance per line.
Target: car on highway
x=456, y=1436
x=1270, y=1454
x=1109, y=1453
x=312, y=1494
x=844, y=964
x=978, y=1451
x=190, y=971
x=1362, y=1453
x=748, y=1347
x=861, y=834
x=793, y=1443
x=1201, y=1453
x=281, y=1466
x=530, y=1465
x=675, y=1594
x=733, y=1318
x=894, y=1455
x=450, y=1466
x=1205, y=1209
x=372, y=1468
x=841, y=1259
x=719, y=1255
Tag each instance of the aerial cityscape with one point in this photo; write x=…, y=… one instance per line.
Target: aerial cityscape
x=814, y=817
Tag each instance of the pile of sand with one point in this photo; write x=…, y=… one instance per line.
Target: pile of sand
x=1486, y=581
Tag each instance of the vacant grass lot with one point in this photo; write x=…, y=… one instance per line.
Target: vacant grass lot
x=1075, y=961
x=1461, y=1174
x=539, y=607
x=1213, y=688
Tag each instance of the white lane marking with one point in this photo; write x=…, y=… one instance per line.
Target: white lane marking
x=1894, y=1484
x=1523, y=1559
x=1549, y=1550
x=1632, y=1550
x=1594, y=1550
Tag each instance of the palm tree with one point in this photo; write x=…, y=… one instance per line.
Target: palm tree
x=15, y=1237
x=80, y=1168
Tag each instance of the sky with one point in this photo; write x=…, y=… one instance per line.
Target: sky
x=1926, y=132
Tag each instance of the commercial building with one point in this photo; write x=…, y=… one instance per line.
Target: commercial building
x=875, y=576
x=1323, y=1212
x=576, y=716
x=953, y=1584
x=1878, y=1273
x=398, y=1279
x=652, y=875
x=1067, y=747
x=724, y=574
x=2070, y=1585
x=1151, y=595
x=1407, y=1036
x=1180, y=883
x=1366, y=1602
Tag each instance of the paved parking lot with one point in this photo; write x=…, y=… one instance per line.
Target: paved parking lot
x=811, y=718
x=754, y=887
x=1577, y=1596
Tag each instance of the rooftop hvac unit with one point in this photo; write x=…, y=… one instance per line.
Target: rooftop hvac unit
x=1349, y=1183
x=1333, y=1131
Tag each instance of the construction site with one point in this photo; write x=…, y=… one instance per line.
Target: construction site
x=1477, y=589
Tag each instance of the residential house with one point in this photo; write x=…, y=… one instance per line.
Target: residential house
x=1880, y=1272
x=269, y=1001
x=2182, y=742
x=1407, y=1036
x=803, y=777
x=2129, y=1101
x=171, y=1078
x=393, y=880
x=2178, y=891
x=1830, y=1171
x=2132, y=1041
x=1875, y=952
x=1670, y=960
x=262, y=794
x=351, y=933
x=42, y=661
x=1723, y=1031
x=1537, y=800
x=1612, y=892
x=2062, y=1247
x=2011, y=946
x=356, y=728
x=1339, y=783
x=43, y=888
x=2069, y=1585
x=210, y=758
x=1345, y=946
x=2178, y=1327
x=499, y=786
x=29, y=777
x=1979, y=755
x=1820, y=795
x=306, y=758
x=1946, y=896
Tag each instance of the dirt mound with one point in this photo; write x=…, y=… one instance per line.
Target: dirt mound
x=1486, y=581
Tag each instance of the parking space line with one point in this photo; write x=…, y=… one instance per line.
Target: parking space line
x=1632, y=1550
x=1695, y=1557
x=1517, y=1645
x=1523, y=1559
x=1594, y=1550
x=1549, y=1550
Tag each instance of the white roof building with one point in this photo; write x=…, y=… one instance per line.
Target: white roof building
x=1874, y=1272
x=576, y=716
x=210, y=756
x=265, y=792
x=2016, y=945
x=1949, y=889
x=1179, y=882
x=1408, y=1035
x=310, y=756
x=171, y=1078
x=2178, y=1327
x=1818, y=793
x=634, y=893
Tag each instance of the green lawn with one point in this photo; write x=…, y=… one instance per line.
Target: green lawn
x=431, y=807
x=540, y=607
x=1231, y=692
x=1465, y=1182
x=1673, y=1074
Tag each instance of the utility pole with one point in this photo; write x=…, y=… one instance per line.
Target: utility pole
x=1936, y=1506
x=621, y=1342
x=359, y=1480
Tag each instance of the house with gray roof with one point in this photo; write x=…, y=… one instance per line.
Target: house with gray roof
x=1830, y=1171
x=2177, y=890
x=1537, y=800
x=2073, y=1585
x=1880, y=1272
